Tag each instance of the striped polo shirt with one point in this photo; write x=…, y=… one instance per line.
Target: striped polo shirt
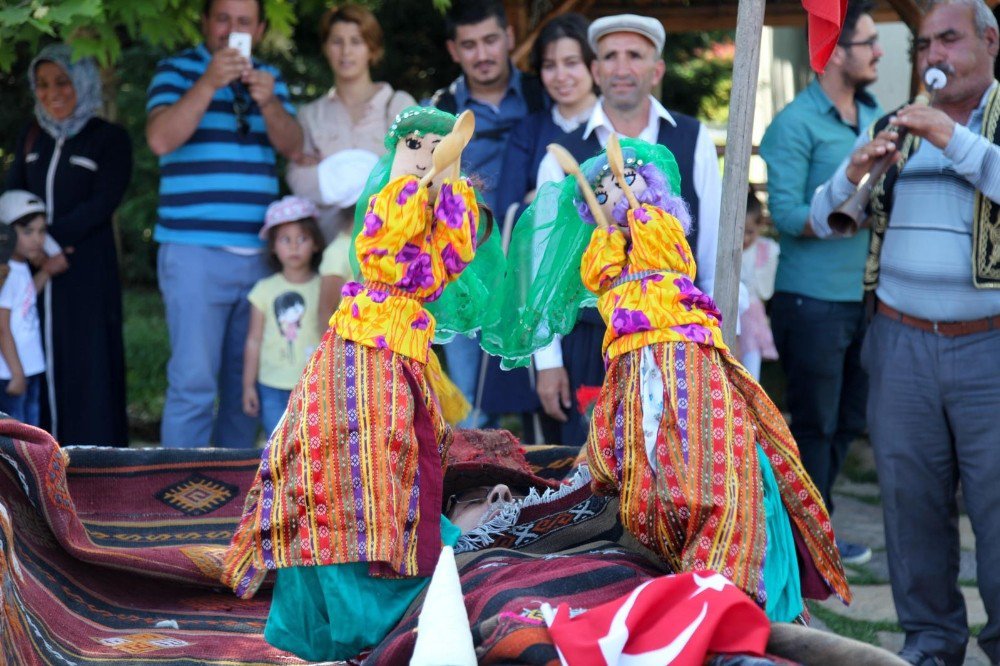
x=215, y=188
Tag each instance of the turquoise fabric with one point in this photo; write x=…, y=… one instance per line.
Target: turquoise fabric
x=330, y=613
x=781, y=565
x=803, y=147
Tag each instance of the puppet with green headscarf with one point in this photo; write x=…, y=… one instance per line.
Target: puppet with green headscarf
x=707, y=472
x=463, y=307
x=347, y=502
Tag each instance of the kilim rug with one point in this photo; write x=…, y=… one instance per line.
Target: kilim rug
x=109, y=556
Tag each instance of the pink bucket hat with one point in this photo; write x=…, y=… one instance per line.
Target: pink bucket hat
x=288, y=209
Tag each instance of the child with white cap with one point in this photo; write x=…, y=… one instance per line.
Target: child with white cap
x=22, y=361
x=283, y=331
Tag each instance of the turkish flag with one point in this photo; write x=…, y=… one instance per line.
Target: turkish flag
x=826, y=19
x=676, y=620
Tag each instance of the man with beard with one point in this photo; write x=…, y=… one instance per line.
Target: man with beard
x=817, y=313
x=932, y=350
x=500, y=95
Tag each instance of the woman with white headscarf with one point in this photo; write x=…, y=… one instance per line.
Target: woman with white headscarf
x=80, y=165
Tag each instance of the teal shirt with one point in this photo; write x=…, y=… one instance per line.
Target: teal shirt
x=803, y=147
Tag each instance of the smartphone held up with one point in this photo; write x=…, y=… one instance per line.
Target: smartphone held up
x=241, y=41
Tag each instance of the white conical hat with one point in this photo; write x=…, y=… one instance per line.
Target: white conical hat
x=443, y=634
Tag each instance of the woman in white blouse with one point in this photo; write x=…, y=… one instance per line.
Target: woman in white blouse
x=355, y=114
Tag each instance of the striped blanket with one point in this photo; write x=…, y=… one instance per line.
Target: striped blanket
x=111, y=556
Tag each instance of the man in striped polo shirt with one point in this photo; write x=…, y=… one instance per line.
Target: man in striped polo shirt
x=932, y=350
x=215, y=121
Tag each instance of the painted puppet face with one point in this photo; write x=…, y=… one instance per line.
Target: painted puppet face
x=609, y=193
x=414, y=155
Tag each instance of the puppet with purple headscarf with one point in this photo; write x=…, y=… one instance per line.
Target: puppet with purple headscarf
x=708, y=474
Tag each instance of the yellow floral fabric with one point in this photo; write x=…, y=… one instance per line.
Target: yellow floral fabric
x=408, y=251
x=645, y=285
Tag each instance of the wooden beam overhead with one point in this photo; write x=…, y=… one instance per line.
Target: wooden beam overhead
x=698, y=15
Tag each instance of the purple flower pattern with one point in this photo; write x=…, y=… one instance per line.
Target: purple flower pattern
x=644, y=282
x=421, y=322
x=450, y=208
x=625, y=321
x=694, y=333
x=419, y=274
x=692, y=297
x=452, y=262
x=373, y=223
x=408, y=191
x=409, y=252
x=420, y=262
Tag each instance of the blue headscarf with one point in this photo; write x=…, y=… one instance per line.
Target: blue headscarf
x=86, y=82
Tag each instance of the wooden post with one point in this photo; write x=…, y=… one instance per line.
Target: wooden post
x=735, y=176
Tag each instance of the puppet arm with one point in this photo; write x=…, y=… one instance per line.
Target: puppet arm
x=396, y=215
x=457, y=216
x=603, y=260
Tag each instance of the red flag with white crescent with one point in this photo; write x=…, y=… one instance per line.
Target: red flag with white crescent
x=676, y=620
x=826, y=19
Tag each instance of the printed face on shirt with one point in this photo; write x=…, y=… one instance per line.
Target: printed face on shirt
x=947, y=39
x=565, y=74
x=609, y=193
x=289, y=309
x=347, y=52
x=54, y=90
x=30, y=239
x=626, y=69
x=414, y=155
x=482, y=51
x=226, y=16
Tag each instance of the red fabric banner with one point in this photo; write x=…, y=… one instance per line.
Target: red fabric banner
x=826, y=19
x=675, y=620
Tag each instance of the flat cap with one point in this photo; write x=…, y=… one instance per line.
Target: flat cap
x=647, y=27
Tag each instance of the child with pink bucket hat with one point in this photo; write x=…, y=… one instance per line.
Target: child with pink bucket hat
x=283, y=330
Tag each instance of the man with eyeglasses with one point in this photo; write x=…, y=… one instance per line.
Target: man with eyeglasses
x=215, y=120
x=817, y=314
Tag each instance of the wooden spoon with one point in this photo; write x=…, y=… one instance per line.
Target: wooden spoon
x=568, y=164
x=451, y=146
x=617, y=164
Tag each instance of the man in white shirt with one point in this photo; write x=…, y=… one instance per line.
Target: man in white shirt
x=627, y=69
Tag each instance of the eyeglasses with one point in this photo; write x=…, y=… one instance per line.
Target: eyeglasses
x=241, y=109
x=870, y=43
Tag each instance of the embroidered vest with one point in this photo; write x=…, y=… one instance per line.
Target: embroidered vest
x=985, y=222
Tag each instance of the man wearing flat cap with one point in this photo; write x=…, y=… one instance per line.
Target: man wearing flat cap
x=627, y=68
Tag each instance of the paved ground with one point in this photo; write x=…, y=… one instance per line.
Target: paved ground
x=858, y=518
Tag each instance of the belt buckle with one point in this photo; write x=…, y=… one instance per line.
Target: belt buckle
x=936, y=331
